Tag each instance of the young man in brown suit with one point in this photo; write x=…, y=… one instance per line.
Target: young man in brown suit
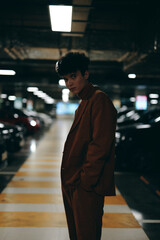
x=87, y=170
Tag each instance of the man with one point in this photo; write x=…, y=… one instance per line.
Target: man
x=87, y=171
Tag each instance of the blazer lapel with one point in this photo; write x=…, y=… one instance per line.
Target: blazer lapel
x=78, y=114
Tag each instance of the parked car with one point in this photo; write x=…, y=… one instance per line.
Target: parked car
x=44, y=119
x=135, y=116
x=3, y=153
x=17, y=117
x=129, y=117
x=137, y=145
x=13, y=136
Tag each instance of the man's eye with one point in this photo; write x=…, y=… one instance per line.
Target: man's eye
x=73, y=75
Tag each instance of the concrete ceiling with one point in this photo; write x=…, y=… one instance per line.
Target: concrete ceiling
x=119, y=36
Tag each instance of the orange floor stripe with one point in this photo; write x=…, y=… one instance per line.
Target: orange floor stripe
x=38, y=174
x=120, y=220
x=42, y=160
x=32, y=219
x=30, y=198
x=34, y=184
x=47, y=219
x=115, y=200
x=48, y=198
x=35, y=166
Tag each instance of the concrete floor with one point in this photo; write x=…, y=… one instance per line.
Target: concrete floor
x=31, y=204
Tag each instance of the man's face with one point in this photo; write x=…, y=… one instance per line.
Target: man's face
x=75, y=81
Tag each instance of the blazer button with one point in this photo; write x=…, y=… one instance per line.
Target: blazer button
x=62, y=168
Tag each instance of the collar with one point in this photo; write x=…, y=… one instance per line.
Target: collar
x=87, y=91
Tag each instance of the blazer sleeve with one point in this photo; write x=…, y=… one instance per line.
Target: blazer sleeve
x=103, y=117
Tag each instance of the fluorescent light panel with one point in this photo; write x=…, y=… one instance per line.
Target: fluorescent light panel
x=153, y=95
x=61, y=18
x=132, y=75
x=62, y=82
x=154, y=101
x=7, y=72
x=12, y=98
x=32, y=89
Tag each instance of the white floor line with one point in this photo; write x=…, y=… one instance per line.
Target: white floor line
x=39, y=170
x=44, y=179
x=33, y=233
x=33, y=190
x=42, y=163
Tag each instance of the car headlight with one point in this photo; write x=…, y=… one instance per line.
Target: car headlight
x=118, y=135
x=33, y=123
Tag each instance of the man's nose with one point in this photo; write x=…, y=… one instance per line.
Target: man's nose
x=70, y=82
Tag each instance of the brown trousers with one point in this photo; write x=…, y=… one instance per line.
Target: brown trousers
x=84, y=211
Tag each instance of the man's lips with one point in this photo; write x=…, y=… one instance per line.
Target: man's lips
x=72, y=89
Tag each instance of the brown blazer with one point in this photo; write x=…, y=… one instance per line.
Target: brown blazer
x=88, y=157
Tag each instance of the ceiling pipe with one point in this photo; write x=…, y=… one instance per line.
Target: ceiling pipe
x=6, y=50
x=135, y=61
x=17, y=53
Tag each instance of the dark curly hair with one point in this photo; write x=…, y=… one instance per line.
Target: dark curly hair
x=72, y=62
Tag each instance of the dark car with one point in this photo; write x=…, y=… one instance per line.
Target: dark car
x=129, y=117
x=138, y=145
x=17, y=117
x=138, y=116
x=44, y=119
x=3, y=153
x=13, y=136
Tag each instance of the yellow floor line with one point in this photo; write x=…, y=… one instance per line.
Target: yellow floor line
x=48, y=198
x=30, y=198
x=42, y=160
x=39, y=166
x=47, y=219
x=38, y=174
x=34, y=184
x=115, y=200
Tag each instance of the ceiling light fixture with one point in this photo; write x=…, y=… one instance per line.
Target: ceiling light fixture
x=154, y=101
x=132, y=99
x=153, y=95
x=7, y=72
x=32, y=89
x=132, y=75
x=12, y=98
x=3, y=95
x=61, y=18
x=62, y=83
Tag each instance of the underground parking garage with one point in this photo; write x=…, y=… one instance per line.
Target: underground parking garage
x=121, y=39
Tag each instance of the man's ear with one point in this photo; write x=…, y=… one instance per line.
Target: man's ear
x=86, y=74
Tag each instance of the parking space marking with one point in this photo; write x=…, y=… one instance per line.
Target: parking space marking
x=37, y=174
x=36, y=178
x=49, y=219
x=32, y=190
x=55, y=233
x=34, y=184
x=50, y=207
x=39, y=166
x=37, y=169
